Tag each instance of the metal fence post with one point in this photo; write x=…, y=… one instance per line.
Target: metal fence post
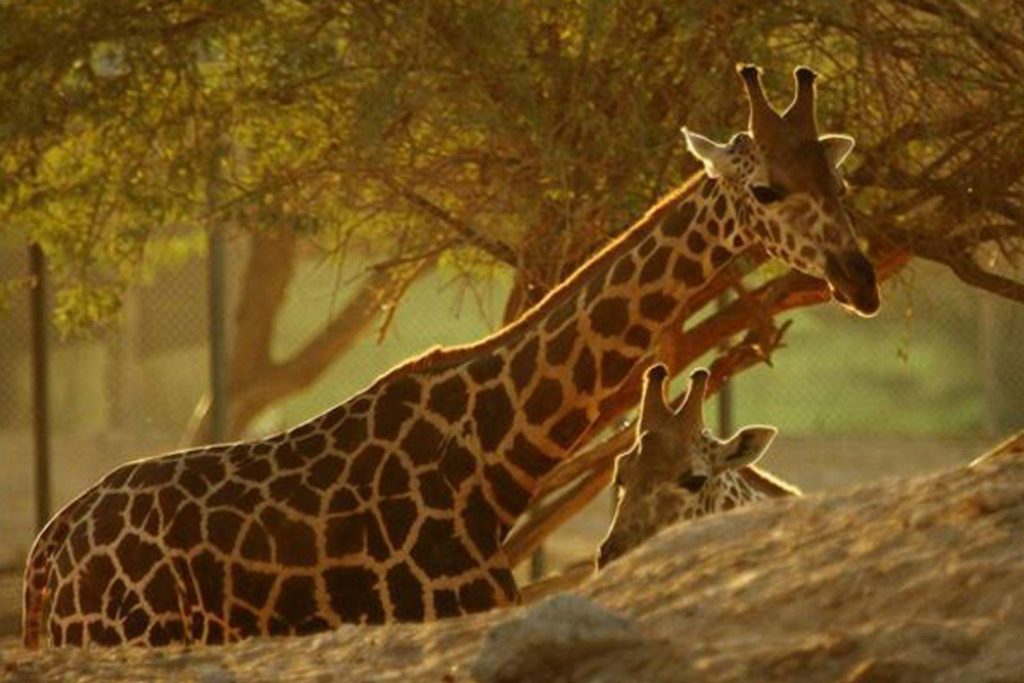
x=40, y=385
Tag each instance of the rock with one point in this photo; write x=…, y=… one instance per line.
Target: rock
x=550, y=639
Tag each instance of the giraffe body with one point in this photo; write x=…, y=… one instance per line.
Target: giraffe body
x=678, y=471
x=393, y=505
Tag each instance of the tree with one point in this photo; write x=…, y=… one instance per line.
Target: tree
x=483, y=135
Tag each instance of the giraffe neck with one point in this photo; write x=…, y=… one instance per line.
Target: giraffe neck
x=523, y=398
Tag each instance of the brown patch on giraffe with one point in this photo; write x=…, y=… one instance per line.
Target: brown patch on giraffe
x=161, y=592
x=508, y=493
x=623, y=270
x=152, y=473
x=719, y=256
x=287, y=457
x=524, y=364
x=394, y=478
x=487, y=368
x=492, y=415
x=350, y=434
x=545, y=400
x=256, y=471
x=136, y=624
x=569, y=427
x=193, y=484
x=290, y=491
x=436, y=493
x=333, y=417
x=363, y=467
x=559, y=347
x=638, y=336
x=118, y=477
x=457, y=464
x=184, y=532
x=712, y=227
x=446, y=604
x=676, y=223
x=102, y=634
x=392, y=408
x=529, y=458
x=325, y=471
x=296, y=600
x=654, y=268
x=476, y=596
x=136, y=556
x=657, y=306
x=226, y=494
x=808, y=253
x=294, y=541
x=647, y=246
x=584, y=372
x=79, y=540
x=695, y=243
x=211, y=588
x=251, y=586
x=354, y=596
x=406, y=593
x=438, y=552
x=423, y=443
x=709, y=186
x=398, y=514
x=481, y=523
x=609, y=316
x=311, y=446
x=728, y=228
x=688, y=270
x=614, y=368
x=343, y=500
x=720, y=206
x=243, y=622
x=108, y=518
x=222, y=529
x=449, y=398
x=256, y=543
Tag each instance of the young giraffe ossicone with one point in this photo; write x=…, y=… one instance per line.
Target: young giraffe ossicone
x=393, y=505
x=677, y=470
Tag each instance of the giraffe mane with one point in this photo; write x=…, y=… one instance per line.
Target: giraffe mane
x=441, y=357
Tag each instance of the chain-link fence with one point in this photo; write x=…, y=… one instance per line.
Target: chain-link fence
x=937, y=374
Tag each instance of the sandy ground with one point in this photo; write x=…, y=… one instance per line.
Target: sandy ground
x=918, y=579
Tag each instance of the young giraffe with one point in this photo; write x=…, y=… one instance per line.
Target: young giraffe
x=393, y=505
x=678, y=470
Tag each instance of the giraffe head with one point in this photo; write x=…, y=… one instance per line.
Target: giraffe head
x=672, y=470
x=788, y=177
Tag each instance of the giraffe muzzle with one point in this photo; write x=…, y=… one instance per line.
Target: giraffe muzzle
x=853, y=282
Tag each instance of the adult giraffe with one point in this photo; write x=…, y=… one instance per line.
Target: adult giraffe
x=393, y=505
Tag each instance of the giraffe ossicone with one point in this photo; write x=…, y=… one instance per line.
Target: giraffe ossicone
x=393, y=505
x=677, y=470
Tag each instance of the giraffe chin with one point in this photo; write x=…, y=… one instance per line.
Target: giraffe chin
x=865, y=305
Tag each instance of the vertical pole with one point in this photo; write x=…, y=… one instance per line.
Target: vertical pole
x=217, y=306
x=40, y=385
x=725, y=396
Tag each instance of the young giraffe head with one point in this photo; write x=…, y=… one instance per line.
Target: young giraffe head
x=677, y=469
x=788, y=178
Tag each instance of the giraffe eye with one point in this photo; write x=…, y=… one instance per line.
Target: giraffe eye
x=693, y=482
x=766, y=194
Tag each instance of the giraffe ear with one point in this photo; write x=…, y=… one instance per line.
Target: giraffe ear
x=745, y=448
x=837, y=148
x=714, y=156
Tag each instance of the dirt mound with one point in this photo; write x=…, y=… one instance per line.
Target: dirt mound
x=910, y=580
